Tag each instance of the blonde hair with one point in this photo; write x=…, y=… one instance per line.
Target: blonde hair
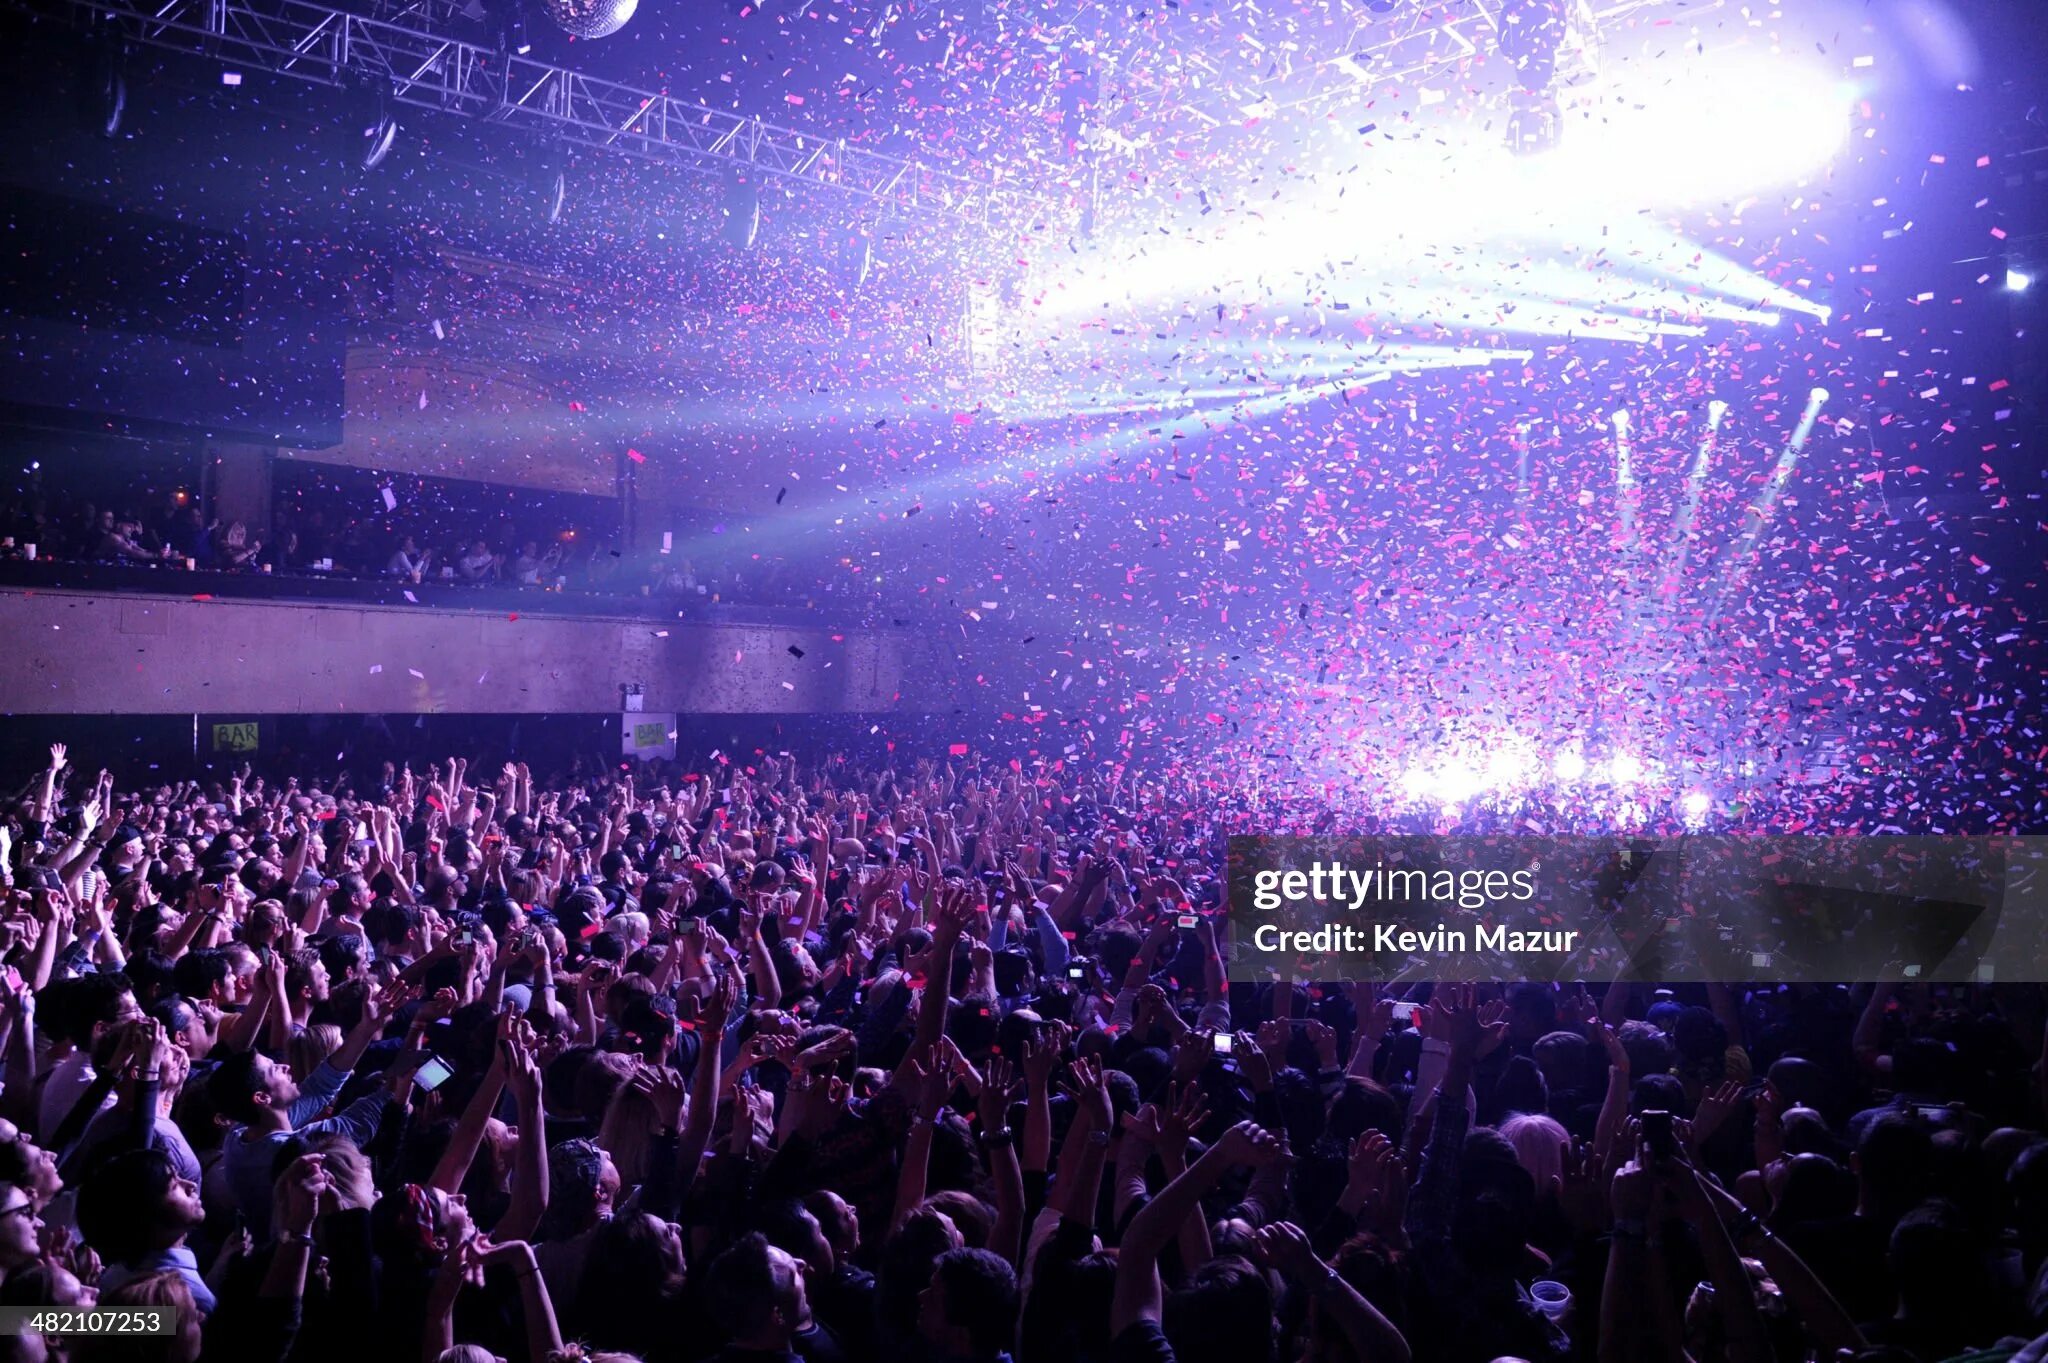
x=310, y=1046
x=1539, y=1143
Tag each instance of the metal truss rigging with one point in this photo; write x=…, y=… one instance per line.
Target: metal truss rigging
x=402, y=58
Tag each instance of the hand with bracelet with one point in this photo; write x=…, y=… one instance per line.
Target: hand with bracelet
x=992, y=1104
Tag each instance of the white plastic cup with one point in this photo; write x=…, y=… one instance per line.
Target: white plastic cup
x=1553, y=1299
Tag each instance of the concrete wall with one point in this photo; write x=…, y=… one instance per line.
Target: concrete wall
x=76, y=653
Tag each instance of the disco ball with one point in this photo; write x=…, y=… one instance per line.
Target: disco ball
x=591, y=18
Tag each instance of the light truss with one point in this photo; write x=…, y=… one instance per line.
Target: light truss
x=404, y=59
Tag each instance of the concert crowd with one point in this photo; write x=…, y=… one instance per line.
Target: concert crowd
x=786, y=1058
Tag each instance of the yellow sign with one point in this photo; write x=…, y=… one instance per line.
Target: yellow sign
x=650, y=735
x=235, y=737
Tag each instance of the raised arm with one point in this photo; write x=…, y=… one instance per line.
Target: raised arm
x=543, y=1334
x=1371, y=1335
x=1826, y=1322
x=1137, y=1294
x=703, y=1111
x=1614, y=1107
x=934, y=1083
x=530, y=1158
x=999, y=1143
x=468, y=1137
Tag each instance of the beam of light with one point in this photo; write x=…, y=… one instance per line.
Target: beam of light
x=1717, y=412
x=1635, y=247
x=1742, y=555
x=1694, y=807
x=1493, y=288
x=1668, y=127
x=1625, y=768
x=1670, y=572
x=1624, y=476
x=1298, y=374
x=2016, y=281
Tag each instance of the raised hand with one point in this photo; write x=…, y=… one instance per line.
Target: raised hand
x=1377, y=1020
x=1191, y=1053
x=1041, y=1057
x=1282, y=1246
x=992, y=1104
x=1086, y=1084
x=1714, y=1108
x=1376, y=1183
x=1324, y=1039
x=299, y=1191
x=1617, y=1054
x=1182, y=1116
x=522, y=1069
x=664, y=1089
x=1248, y=1143
x=934, y=1084
x=1253, y=1062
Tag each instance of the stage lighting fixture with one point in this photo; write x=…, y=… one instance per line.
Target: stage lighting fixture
x=859, y=257
x=104, y=94
x=1695, y=805
x=1535, y=121
x=1818, y=397
x=1620, y=420
x=1570, y=765
x=742, y=211
x=2017, y=281
x=1625, y=768
x=1716, y=410
x=1531, y=32
x=380, y=132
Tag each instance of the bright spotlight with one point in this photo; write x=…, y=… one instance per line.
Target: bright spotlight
x=1457, y=783
x=1818, y=397
x=1626, y=768
x=1620, y=420
x=378, y=138
x=1570, y=765
x=2017, y=281
x=1695, y=805
x=1716, y=410
x=1704, y=126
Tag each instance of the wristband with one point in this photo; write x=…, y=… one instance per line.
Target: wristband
x=996, y=1140
x=1098, y=1138
x=298, y=1237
